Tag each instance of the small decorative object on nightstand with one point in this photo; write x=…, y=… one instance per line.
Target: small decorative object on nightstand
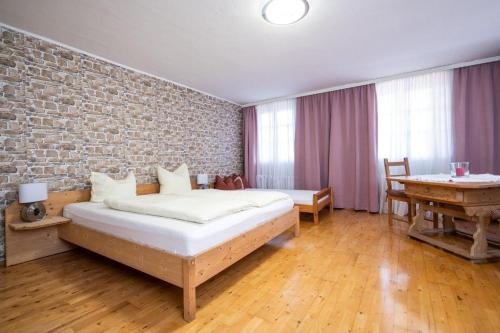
x=202, y=181
x=31, y=196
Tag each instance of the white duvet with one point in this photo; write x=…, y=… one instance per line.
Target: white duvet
x=255, y=198
x=200, y=206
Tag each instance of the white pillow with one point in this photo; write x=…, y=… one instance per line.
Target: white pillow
x=174, y=182
x=104, y=187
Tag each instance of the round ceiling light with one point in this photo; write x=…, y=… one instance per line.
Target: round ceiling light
x=284, y=12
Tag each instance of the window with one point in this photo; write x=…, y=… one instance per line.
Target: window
x=414, y=121
x=275, y=144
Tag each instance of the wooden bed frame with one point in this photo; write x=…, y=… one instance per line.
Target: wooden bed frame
x=317, y=206
x=184, y=272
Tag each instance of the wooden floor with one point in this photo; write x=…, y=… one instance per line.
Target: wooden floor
x=350, y=273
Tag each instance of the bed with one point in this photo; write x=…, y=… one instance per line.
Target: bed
x=308, y=201
x=167, y=234
x=184, y=254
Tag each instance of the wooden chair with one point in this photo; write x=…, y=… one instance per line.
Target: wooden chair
x=398, y=195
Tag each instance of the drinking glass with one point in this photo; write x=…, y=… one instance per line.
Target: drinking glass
x=460, y=169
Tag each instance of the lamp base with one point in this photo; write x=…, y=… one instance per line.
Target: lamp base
x=32, y=212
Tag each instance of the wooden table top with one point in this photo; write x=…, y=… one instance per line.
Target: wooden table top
x=450, y=184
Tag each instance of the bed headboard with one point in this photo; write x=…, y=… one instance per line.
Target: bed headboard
x=57, y=200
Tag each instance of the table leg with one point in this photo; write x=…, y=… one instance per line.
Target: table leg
x=448, y=225
x=480, y=246
x=417, y=221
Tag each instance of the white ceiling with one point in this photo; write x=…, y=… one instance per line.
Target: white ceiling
x=225, y=48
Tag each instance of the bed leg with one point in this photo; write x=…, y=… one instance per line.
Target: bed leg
x=189, y=289
x=331, y=200
x=296, y=230
x=315, y=209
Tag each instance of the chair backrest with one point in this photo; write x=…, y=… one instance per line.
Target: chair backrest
x=388, y=165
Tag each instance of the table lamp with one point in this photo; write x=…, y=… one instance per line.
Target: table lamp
x=31, y=196
x=202, y=180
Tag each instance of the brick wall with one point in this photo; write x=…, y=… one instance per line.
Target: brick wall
x=64, y=114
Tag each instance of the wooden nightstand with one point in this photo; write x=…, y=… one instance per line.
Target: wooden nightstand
x=25, y=241
x=48, y=221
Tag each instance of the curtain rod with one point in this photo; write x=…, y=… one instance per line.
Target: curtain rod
x=382, y=79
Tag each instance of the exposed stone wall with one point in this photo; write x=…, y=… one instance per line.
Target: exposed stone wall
x=65, y=114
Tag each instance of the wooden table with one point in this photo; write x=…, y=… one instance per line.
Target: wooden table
x=473, y=202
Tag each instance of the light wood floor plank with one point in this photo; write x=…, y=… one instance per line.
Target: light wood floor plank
x=350, y=273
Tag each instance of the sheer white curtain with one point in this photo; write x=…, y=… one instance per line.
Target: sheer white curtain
x=275, y=144
x=414, y=121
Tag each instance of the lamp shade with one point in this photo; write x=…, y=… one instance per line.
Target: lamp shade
x=202, y=179
x=32, y=192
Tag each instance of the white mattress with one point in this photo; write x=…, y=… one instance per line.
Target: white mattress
x=171, y=235
x=299, y=197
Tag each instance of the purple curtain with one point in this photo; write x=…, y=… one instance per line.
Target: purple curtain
x=336, y=145
x=250, y=142
x=476, y=116
x=312, y=140
x=353, y=148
